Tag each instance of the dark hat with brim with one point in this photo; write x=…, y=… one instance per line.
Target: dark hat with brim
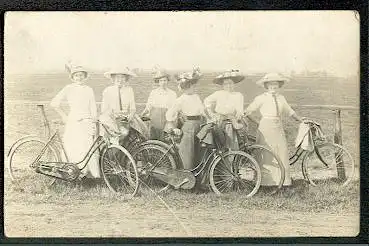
x=161, y=74
x=233, y=75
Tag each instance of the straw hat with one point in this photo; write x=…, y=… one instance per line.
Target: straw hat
x=270, y=77
x=189, y=77
x=230, y=74
x=160, y=74
x=76, y=69
x=125, y=71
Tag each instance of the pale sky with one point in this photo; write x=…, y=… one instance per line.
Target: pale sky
x=252, y=41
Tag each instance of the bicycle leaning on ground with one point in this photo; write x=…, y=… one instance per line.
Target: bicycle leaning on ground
x=159, y=164
x=32, y=155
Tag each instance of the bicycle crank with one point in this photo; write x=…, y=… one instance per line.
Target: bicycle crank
x=183, y=179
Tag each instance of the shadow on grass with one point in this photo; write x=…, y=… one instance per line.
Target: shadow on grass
x=301, y=196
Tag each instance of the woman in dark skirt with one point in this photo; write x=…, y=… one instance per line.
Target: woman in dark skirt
x=191, y=108
x=160, y=99
x=226, y=106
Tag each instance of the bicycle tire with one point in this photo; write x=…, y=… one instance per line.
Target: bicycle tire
x=150, y=154
x=123, y=177
x=319, y=167
x=216, y=173
x=260, y=155
x=25, y=172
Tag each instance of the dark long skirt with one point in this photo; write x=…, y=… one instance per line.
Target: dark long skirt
x=157, y=123
x=189, y=145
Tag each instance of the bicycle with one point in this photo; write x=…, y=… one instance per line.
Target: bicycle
x=228, y=171
x=44, y=157
x=324, y=162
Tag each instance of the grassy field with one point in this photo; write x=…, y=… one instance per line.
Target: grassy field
x=89, y=209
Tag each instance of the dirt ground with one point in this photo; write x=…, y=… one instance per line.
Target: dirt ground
x=93, y=218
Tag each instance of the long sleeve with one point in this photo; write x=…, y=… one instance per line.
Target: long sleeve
x=210, y=101
x=56, y=101
x=105, y=103
x=239, y=107
x=286, y=107
x=173, y=97
x=93, y=108
x=172, y=113
x=254, y=105
x=150, y=100
x=132, y=102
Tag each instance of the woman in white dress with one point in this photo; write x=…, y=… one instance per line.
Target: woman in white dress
x=226, y=106
x=80, y=126
x=118, y=102
x=160, y=99
x=272, y=107
x=190, y=107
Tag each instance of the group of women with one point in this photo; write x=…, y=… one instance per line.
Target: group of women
x=181, y=114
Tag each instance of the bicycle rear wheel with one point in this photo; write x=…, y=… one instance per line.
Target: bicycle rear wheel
x=119, y=170
x=235, y=171
x=270, y=163
x=149, y=156
x=22, y=156
x=329, y=162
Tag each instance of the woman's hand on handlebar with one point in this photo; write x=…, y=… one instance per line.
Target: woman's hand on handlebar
x=174, y=131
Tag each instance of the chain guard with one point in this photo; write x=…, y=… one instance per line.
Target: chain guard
x=68, y=171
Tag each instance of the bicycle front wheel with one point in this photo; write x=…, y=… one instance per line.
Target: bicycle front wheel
x=329, y=162
x=270, y=163
x=151, y=156
x=23, y=155
x=235, y=171
x=119, y=170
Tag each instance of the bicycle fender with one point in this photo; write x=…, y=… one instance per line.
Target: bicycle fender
x=16, y=143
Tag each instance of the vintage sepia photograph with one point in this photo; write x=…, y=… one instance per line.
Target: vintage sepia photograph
x=182, y=124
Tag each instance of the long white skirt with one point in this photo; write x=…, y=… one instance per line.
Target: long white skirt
x=271, y=135
x=77, y=139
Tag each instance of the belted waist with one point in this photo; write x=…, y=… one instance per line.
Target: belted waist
x=193, y=117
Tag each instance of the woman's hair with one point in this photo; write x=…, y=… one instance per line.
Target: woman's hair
x=280, y=84
x=185, y=85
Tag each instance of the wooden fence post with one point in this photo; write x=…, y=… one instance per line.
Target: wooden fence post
x=338, y=140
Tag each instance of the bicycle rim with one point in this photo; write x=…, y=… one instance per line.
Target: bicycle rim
x=235, y=172
x=119, y=171
x=329, y=163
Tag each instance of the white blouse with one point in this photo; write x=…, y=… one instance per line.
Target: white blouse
x=188, y=105
x=81, y=101
x=266, y=104
x=110, y=100
x=161, y=98
x=225, y=102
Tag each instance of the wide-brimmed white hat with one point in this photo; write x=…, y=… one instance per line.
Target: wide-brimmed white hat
x=272, y=77
x=76, y=69
x=125, y=71
x=233, y=74
x=160, y=74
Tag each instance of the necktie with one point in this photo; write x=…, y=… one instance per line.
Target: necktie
x=276, y=103
x=120, y=99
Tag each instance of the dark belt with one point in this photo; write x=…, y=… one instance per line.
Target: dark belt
x=193, y=117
